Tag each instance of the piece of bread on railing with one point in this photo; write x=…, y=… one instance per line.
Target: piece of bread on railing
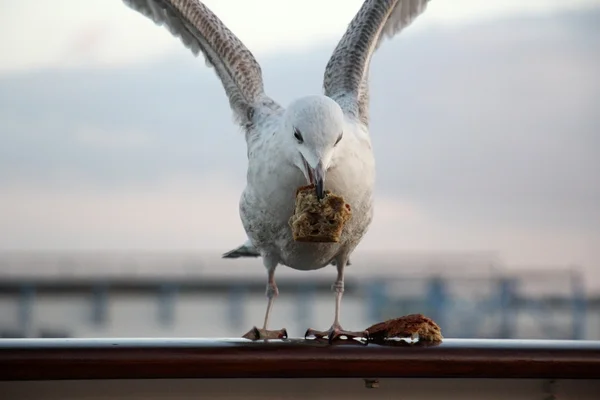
x=317, y=220
x=409, y=326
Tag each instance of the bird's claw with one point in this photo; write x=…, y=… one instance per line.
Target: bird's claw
x=258, y=334
x=338, y=335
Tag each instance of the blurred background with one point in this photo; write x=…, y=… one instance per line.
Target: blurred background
x=121, y=170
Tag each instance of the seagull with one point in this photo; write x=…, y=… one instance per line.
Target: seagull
x=319, y=139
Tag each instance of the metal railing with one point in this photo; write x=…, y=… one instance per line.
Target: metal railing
x=93, y=359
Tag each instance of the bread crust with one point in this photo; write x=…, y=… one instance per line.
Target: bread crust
x=318, y=221
x=406, y=327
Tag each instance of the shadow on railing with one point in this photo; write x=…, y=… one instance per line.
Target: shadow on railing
x=60, y=359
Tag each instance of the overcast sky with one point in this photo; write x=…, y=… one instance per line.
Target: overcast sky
x=484, y=122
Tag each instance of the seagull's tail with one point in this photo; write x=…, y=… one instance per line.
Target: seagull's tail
x=245, y=250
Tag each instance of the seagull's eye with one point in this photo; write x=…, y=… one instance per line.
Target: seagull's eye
x=298, y=136
x=339, y=138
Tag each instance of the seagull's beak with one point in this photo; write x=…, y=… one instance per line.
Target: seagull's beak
x=316, y=176
x=319, y=176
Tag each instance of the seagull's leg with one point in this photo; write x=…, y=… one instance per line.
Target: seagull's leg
x=272, y=292
x=336, y=332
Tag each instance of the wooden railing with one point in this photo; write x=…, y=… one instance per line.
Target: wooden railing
x=75, y=359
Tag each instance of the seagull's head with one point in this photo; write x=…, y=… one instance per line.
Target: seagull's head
x=315, y=127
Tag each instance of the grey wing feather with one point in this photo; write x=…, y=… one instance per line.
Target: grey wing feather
x=203, y=32
x=245, y=250
x=346, y=73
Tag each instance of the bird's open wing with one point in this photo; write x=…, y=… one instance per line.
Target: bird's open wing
x=203, y=32
x=346, y=74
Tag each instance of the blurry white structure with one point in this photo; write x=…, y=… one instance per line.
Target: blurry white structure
x=197, y=295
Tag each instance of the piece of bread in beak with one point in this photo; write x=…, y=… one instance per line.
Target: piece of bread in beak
x=318, y=221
